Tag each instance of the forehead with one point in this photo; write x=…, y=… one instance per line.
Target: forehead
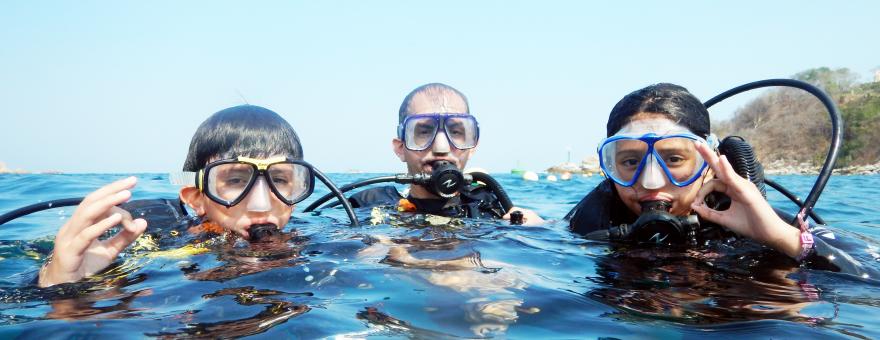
x=446, y=102
x=657, y=125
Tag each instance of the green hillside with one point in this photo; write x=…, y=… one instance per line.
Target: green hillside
x=791, y=125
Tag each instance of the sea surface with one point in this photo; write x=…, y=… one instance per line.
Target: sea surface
x=421, y=277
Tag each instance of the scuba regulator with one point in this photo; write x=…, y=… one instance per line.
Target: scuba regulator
x=445, y=180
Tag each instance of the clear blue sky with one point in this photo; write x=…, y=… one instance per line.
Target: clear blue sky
x=120, y=86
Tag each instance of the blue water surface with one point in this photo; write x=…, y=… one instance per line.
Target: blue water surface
x=463, y=278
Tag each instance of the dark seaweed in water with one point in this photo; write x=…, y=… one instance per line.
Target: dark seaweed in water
x=411, y=276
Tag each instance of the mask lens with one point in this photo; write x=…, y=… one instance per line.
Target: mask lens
x=462, y=131
x=229, y=181
x=291, y=181
x=680, y=156
x=420, y=132
x=621, y=158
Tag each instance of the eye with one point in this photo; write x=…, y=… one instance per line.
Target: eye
x=674, y=160
x=629, y=162
x=280, y=180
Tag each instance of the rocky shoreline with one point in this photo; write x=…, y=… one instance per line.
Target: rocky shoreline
x=590, y=166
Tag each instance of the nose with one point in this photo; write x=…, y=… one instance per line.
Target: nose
x=258, y=199
x=441, y=143
x=652, y=177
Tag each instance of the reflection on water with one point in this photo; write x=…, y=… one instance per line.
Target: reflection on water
x=427, y=277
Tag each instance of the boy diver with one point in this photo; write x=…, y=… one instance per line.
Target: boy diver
x=661, y=164
x=436, y=128
x=247, y=173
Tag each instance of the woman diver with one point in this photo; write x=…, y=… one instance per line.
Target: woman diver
x=666, y=184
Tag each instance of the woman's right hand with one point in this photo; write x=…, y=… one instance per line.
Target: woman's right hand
x=78, y=252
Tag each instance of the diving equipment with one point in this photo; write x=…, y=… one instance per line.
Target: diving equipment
x=334, y=191
x=655, y=225
x=806, y=207
x=626, y=157
x=229, y=181
x=443, y=179
x=419, y=131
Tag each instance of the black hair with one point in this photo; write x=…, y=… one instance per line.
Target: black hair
x=245, y=130
x=434, y=91
x=667, y=99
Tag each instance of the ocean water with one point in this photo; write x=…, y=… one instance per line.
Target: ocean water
x=446, y=279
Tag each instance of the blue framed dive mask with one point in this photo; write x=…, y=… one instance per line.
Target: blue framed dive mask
x=625, y=158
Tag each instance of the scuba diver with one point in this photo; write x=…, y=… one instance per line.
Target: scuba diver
x=666, y=184
x=437, y=135
x=243, y=175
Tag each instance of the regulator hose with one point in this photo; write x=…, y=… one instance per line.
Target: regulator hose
x=836, y=131
x=496, y=188
x=65, y=202
x=742, y=158
x=421, y=179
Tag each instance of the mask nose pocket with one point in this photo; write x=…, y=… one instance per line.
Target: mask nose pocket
x=653, y=176
x=258, y=199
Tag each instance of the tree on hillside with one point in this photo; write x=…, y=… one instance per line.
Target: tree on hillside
x=790, y=124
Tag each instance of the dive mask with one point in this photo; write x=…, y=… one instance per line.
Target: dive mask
x=623, y=158
x=229, y=181
x=418, y=131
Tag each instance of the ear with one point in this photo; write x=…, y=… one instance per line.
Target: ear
x=194, y=199
x=398, y=147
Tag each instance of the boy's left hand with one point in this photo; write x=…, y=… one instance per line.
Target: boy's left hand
x=749, y=215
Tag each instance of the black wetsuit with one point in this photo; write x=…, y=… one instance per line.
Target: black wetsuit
x=472, y=202
x=602, y=209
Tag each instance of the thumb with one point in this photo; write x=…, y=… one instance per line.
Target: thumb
x=707, y=213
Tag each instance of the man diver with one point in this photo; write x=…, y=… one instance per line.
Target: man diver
x=436, y=128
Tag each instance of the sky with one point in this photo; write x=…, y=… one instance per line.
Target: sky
x=120, y=86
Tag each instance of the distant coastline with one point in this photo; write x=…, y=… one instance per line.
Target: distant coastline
x=5, y=170
x=590, y=166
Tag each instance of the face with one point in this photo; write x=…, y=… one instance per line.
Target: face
x=653, y=184
x=259, y=206
x=420, y=161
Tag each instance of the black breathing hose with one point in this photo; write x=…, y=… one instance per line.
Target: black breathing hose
x=496, y=188
x=65, y=202
x=349, y=187
x=743, y=160
x=782, y=190
x=493, y=185
x=836, y=130
x=333, y=189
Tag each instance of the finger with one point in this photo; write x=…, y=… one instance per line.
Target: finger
x=707, y=213
x=714, y=185
x=112, y=188
x=87, y=214
x=131, y=231
x=729, y=174
x=710, y=157
x=84, y=238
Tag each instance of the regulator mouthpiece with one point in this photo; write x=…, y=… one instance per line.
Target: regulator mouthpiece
x=657, y=226
x=446, y=180
x=263, y=232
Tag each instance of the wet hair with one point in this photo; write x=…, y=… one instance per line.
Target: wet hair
x=666, y=99
x=245, y=130
x=434, y=92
